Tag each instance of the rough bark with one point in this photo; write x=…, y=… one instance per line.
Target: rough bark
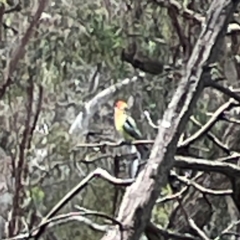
x=138, y=201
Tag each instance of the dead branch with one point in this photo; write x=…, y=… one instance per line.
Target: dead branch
x=192, y=224
x=227, y=229
x=61, y=219
x=216, y=117
x=154, y=232
x=227, y=169
x=212, y=137
x=190, y=182
x=38, y=109
x=20, y=168
x=81, y=123
x=139, y=199
x=97, y=173
x=186, y=45
x=190, y=14
x=222, y=89
x=113, y=144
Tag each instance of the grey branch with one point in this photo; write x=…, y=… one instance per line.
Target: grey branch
x=227, y=229
x=154, y=232
x=190, y=14
x=228, y=169
x=97, y=173
x=81, y=123
x=190, y=182
x=216, y=116
x=139, y=199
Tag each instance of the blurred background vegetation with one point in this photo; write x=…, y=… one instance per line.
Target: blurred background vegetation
x=73, y=41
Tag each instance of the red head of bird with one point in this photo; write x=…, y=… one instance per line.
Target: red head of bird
x=120, y=105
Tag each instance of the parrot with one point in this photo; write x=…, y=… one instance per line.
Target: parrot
x=127, y=127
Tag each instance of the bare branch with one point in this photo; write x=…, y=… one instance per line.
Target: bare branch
x=154, y=232
x=139, y=199
x=207, y=165
x=113, y=144
x=226, y=91
x=38, y=109
x=216, y=117
x=190, y=182
x=20, y=168
x=87, y=212
x=150, y=122
x=193, y=225
x=81, y=123
x=178, y=195
x=62, y=219
x=212, y=137
x=18, y=53
x=97, y=173
x=190, y=14
x=226, y=230
x=197, y=229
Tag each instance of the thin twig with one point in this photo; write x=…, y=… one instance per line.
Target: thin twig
x=113, y=144
x=18, y=53
x=212, y=137
x=200, y=188
x=192, y=224
x=226, y=91
x=228, y=169
x=227, y=229
x=200, y=133
x=97, y=173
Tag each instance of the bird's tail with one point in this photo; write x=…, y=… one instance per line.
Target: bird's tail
x=143, y=156
x=144, y=151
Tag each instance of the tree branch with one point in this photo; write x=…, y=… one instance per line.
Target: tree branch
x=220, y=88
x=212, y=137
x=18, y=53
x=97, y=173
x=216, y=117
x=227, y=169
x=81, y=122
x=190, y=182
x=190, y=14
x=139, y=199
x=154, y=232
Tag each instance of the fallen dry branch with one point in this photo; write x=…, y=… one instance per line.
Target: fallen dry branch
x=139, y=199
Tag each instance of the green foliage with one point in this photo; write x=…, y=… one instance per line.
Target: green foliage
x=37, y=195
